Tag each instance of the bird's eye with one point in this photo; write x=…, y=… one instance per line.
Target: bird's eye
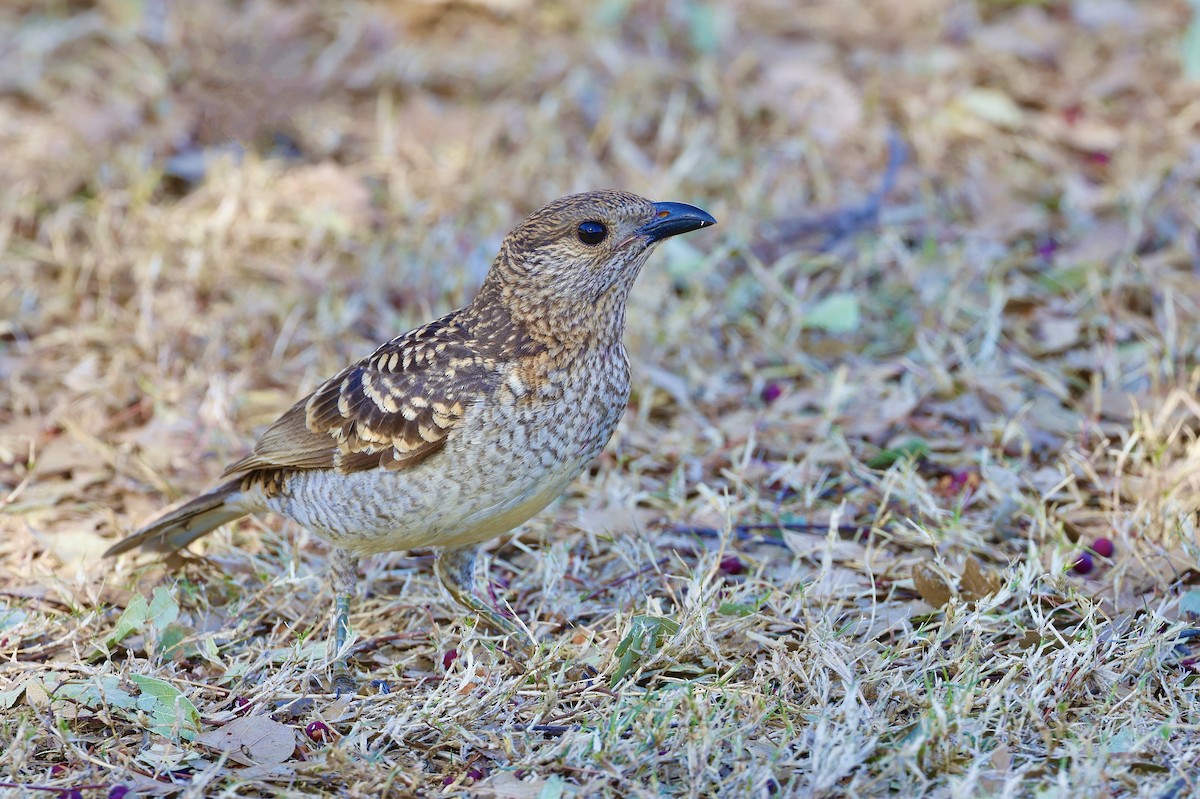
x=592, y=232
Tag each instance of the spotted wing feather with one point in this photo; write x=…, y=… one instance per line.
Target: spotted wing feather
x=391, y=410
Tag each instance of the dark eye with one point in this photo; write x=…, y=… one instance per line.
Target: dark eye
x=592, y=232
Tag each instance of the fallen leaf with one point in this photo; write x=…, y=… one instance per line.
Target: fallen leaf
x=932, y=585
x=1002, y=757
x=170, y=711
x=978, y=582
x=258, y=740
x=1189, y=603
x=131, y=620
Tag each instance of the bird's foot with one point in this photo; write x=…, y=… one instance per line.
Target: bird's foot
x=345, y=575
x=342, y=683
x=458, y=572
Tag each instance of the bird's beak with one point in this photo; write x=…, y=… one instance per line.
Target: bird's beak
x=671, y=219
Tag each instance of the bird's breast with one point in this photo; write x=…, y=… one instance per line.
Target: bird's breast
x=514, y=453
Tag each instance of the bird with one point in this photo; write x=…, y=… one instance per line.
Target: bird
x=464, y=428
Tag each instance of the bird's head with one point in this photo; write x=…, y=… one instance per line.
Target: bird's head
x=573, y=262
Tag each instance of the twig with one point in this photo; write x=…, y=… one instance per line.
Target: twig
x=839, y=223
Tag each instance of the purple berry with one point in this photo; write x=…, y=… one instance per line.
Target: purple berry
x=449, y=658
x=1084, y=564
x=1046, y=248
x=1103, y=547
x=317, y=731
x=771, y=392
x=732, y=565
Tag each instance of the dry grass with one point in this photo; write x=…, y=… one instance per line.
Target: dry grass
x=862, y=586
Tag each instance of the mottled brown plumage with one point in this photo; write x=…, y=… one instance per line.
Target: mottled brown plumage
x=467, y=426
x=391, y=410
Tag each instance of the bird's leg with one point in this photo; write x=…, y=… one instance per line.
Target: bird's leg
x=458, y=569
x=344, y=578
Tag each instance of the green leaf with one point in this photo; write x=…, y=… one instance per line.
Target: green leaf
x=170, y=642
x=1123, y=741
x=553, y=789
x=1190, y=45
x=1190, y=602
x=9, y=698
x=11, y=617
x=736, y=609
x=913, y=448
x=163, y=609
x=646, y=636
x=132, y=620
x=704, y=28
x=97, y=692
x=170, y=711
x=837, y=313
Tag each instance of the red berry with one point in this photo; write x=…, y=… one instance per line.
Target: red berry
x=1103, y=547
x=317, y=731
x=1084, y=564
x=449, y=658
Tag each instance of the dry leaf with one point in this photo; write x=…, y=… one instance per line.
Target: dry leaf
x=932, y=585
x=1002, y=758
x=252, y=740
x=36, y=695
x=978, y=582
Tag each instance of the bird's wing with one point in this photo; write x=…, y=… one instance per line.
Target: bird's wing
x=391, y=410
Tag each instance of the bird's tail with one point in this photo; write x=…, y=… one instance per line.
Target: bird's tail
x=175, y=528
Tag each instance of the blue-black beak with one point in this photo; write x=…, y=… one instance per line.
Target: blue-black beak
x=671, y=219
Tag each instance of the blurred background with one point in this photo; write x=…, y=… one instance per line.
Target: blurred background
x=951, y=312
